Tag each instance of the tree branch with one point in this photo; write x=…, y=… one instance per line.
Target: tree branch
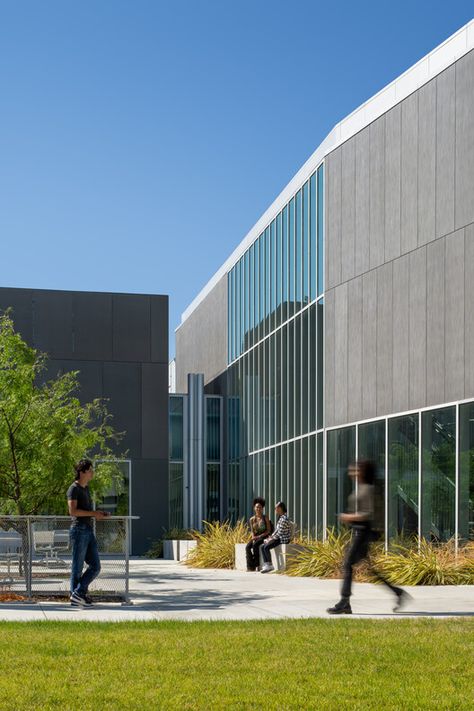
x=16, y=482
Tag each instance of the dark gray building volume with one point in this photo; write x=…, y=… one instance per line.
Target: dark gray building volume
x=343, y=324
x=119, y=345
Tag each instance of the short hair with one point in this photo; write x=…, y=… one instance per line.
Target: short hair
x=368, y=470
x=259, y=500
x=83, y=465
x=282, y=505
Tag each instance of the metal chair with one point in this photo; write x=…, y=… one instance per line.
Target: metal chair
x=49, y=543
x=11, y=546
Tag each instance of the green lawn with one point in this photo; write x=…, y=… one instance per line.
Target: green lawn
x=295, y=664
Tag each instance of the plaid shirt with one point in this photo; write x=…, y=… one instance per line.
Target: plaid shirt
x=283, y=529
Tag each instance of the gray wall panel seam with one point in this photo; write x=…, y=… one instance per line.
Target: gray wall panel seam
x=435, y=171
x=455, y=137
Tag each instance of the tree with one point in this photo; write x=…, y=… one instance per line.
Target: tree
x=44, y=429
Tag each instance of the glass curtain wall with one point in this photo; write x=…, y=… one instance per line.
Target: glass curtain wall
x=425, y=472
x=275, y=353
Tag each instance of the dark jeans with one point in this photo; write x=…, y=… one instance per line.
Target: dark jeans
x=267, y=548
x=357, y=550
x=84, y=550
x=252, y=553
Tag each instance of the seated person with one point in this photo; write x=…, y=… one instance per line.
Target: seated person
x=282, y=534
x=260, y=528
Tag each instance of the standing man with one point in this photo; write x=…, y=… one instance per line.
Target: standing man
x=83, y=540
x=282, y=534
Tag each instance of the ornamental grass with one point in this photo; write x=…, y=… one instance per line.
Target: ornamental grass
x=320, y=559
x=216, y=545
x=415, y=562
x=427, y=563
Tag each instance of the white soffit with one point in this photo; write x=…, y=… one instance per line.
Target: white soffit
x=452, y=49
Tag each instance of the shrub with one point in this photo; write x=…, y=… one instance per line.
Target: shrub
x=155, y=550
x=173, y=534
x=320, y=559
x=428, y=564
x=216, y=545
x=412, y=562
x=178, y=534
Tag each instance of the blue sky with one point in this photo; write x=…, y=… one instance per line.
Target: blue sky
x=141, y=140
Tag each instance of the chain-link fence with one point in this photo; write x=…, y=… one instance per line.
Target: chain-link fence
x=35, y=558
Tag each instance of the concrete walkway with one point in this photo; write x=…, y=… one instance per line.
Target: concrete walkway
x=164, y=590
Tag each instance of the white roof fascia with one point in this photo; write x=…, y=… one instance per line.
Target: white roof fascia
x=452, y=49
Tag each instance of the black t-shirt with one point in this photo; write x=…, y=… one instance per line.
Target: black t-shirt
x=81, y=494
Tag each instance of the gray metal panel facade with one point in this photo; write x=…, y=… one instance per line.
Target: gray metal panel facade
x=468, y=310
x=464, y=142
x=201, y=341
x=407, y=219
x=119, y=345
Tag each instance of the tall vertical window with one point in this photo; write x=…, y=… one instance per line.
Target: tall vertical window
x=320, y=364
x=176, y=456
x=320, y=230
x=229, y=317
x=319, y=483
x=313, y=228
x=291, y=258
x=438, y=478
x=268, y=263
x=341, y=453
x=246, y=301
x=403, y=438
x=284, y=272
x=371, y=445
x=298, y=251
x=213, y=456
x=261, y=243
x=251, y=296
x=278, y=262
x=242, y=306
x=272, y=274
x=466, y=471
x=305, y=244
x=237, y=308
x=256, y=248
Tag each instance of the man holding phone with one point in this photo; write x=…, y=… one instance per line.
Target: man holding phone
x=83, y=540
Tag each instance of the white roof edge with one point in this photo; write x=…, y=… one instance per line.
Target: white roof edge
x=439, y=59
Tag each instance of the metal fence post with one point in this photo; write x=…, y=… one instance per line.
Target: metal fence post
x=127, y=561
x=29, y=561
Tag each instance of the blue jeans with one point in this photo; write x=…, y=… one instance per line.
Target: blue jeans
x=266, y=555
x=84, y=550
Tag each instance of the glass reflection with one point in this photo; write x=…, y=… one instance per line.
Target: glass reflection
x=403, y=476
x=438, y=479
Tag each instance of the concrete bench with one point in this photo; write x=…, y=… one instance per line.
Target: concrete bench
x=185, y=547
x=177, y=550
x=280, y=555
x=171, y=550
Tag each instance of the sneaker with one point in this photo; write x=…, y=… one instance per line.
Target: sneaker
x=267, y=568
x=402, y=599
x=343, y=607
x=89, y=601
x=78, y=600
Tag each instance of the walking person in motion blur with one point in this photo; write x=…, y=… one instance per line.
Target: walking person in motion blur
x=360, y=519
